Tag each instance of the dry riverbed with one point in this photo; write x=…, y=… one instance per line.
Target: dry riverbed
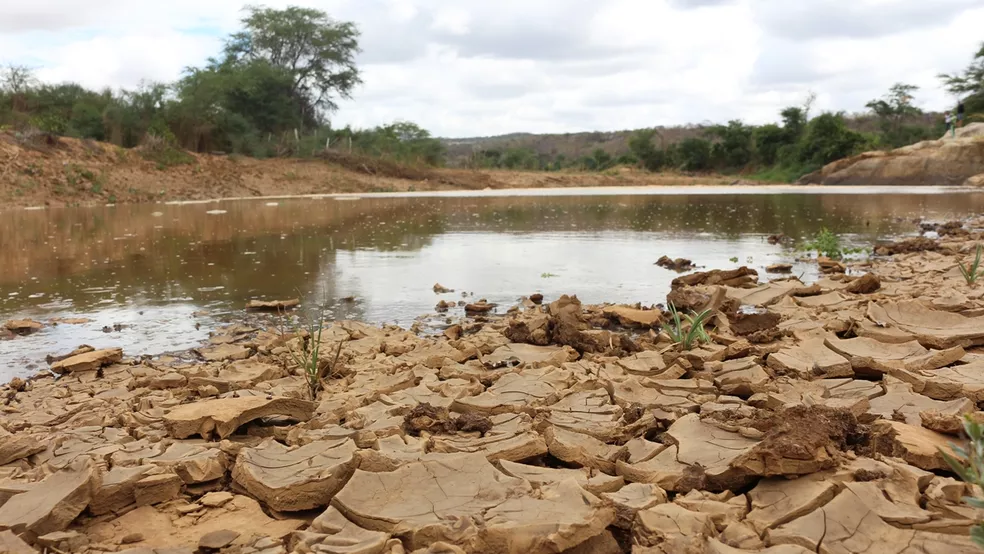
x=812, y=422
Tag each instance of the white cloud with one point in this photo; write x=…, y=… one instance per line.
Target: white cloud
x=481, y=68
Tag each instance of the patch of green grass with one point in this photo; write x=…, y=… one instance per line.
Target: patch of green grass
x=548, y=275
x=167, y=156
x=112, y=199
x=968, y=464
x=826, y=243
x=733, y=259
x=691, y=334
x=780, y=174
x=308, y=356
x=972, y=273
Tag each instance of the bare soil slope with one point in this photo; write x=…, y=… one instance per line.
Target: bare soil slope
x=67, y=171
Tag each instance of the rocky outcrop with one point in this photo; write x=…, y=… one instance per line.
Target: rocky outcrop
x=948, y=161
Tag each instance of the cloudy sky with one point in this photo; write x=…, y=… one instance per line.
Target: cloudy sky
x=484, y=67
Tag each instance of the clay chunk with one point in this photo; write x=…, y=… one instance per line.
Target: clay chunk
x=291, y=480
x=90, y=361
x=52, y=504
x=224, y=415
x=464, y=501
x=272, y=305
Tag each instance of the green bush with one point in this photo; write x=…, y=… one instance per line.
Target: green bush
x=693, y=154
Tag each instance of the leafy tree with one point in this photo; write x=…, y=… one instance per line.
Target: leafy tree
x=694, y=154
x=793, y=123
x=827, y=139
x=768, y=140
x=969, y=84
x=892, y=111
x=642, y=147
x=734, y=146
x=315, y=50
x=603, y=160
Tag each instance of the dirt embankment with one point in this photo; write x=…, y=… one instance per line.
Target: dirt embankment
x=77, y=172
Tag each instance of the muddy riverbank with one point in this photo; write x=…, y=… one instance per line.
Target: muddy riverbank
x=809, y=418
x=159, y=278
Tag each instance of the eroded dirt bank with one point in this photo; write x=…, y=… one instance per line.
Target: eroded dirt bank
x=75, y=172
x=811, y=422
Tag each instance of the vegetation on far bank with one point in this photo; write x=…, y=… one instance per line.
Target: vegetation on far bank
x=272, y=88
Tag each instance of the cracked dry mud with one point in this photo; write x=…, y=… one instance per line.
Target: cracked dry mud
x=812, y=423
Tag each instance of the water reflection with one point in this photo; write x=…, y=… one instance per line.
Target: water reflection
x=169, y=261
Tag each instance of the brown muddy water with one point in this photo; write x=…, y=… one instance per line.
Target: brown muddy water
x=166, y=274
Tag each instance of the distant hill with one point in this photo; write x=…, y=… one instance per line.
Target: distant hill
x=616, y=143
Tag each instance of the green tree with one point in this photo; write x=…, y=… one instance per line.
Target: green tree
x=644, y=149
x=733, y=148
x=694, y=154
x=603, y=160
x=892, y=111
x=768, y=140
x=315, y=50
x=827, y=139
x=969, y=84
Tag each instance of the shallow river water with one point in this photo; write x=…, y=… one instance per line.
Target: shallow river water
x=169, y=273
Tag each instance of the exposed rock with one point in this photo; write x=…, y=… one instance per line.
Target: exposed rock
x=900, y=402
x=632, y=498
x=740, y=277
x=480, y=307
x=743, y=323
x=712, y=449
x=665, y=522
x=776, y=501
x=441, y=289
x=223, y=352
x=272, y=305
x=590, y=480
x=932, y=328
x=156, y=489
x=698, y=299
x=90, y=361
x=53, y=504
x=866, y=284
x=291, y=480
x=633, y=317
x=583, y=450
x=431, y=501
x=224, y=415
x=679, y=265
x=937, y=162
x=779, y=268
x=916, y=445
x=904, y=246
x=511, y=437
x=217, y=539
x=828, y=266
x=742, y=377
x=12, y=544
x=23, y=326
x=335, y=534
x=847, y=524
x=811, y=359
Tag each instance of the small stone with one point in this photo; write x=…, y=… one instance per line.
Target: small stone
x=217, y=539
x=132, y=538
x=215, y=499
x=779, y=268
x=866, y=284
